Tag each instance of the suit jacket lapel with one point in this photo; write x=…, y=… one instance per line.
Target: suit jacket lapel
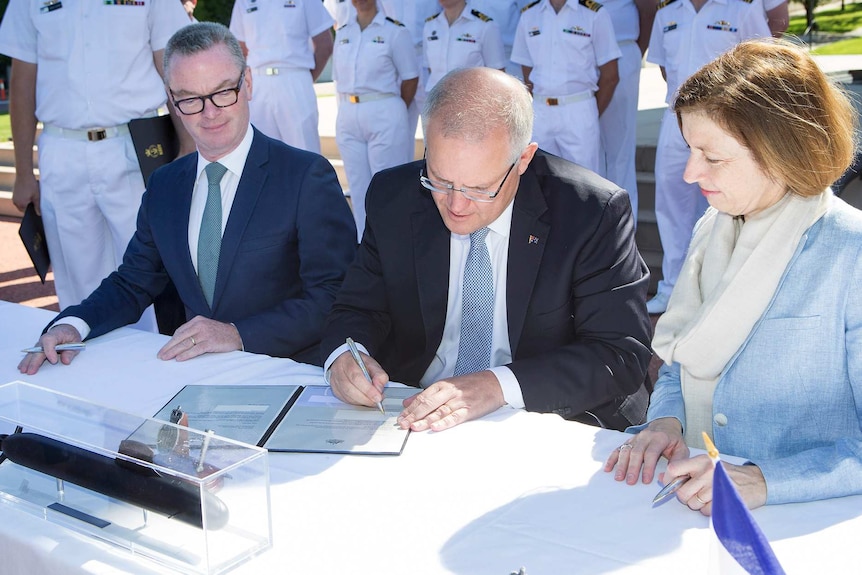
x=431, y=261
x=250, y=186
x=526, y=247
x=187, y=282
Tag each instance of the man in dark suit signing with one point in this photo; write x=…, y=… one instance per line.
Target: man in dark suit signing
x=492, y=273
x=255, y=235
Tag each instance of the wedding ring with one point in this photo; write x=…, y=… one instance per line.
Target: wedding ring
x=701, y=500
x=193, y=340
x=625, y=446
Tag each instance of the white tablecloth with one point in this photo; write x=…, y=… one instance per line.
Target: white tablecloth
x=490, y=496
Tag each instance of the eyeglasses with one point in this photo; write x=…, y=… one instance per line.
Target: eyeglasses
x=220, y=99
x=473, y=194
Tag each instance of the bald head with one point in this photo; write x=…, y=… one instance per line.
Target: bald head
x=472, y=104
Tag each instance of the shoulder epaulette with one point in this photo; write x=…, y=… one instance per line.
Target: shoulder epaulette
x=429, y=18
x=748, y=1
x=530, y=5
x=397, y=23
x=591, y=4
x=664, y=3
x=480, y=16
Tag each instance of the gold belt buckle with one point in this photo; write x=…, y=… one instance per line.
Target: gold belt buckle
x=552, y=101
x=354, y=99
x=96, y=135
x=272, y=71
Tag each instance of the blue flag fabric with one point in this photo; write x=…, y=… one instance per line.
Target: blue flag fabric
x=736, y=529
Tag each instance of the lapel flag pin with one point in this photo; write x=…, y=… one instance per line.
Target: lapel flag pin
x=533, y=240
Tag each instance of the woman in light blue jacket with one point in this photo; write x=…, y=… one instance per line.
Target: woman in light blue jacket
x=762, y=339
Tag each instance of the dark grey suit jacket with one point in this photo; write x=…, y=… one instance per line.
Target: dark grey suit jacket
x=576, y=290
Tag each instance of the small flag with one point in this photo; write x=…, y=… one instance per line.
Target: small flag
x=533, y=240
x=734, y=525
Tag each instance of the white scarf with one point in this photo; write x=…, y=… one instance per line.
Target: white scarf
x=729, y=277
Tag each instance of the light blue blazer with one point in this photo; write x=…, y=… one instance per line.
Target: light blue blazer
x=790, y=400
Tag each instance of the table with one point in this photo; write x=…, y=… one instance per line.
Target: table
x=490, y=496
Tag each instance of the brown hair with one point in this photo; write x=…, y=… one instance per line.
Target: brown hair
x=773, y=98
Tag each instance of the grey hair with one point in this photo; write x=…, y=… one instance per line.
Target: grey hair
x=199, y=37
x=471, y=103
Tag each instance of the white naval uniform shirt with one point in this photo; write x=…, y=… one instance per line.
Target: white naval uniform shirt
x=565, y=49
x=94, y=58
x=505, y=13
x=342, y=11
x=374, y=60
x=411, y=13
x=683, y=40
x=277, y=32
x=625, y=18
x=470, y=42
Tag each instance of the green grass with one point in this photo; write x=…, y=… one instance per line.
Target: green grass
x=842, y=47
x=5, y=129
x=831, y=21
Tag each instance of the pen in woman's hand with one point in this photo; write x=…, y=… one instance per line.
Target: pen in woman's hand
x=670, y=488
x=358, y=359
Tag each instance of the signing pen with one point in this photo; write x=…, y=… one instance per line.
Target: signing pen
x=670, y=488
x=358, y=359
x=78, y=346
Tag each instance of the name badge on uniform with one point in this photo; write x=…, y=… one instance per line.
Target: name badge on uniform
x=669, y=27
x=50, y=6
x=466, y=38
x=290, y=4
x=433, y=36
x=378, y=40
x=721, y=25
x=252, y=9
x=344, y=41
x=577, y=31
x=123, y=2
x=533, y=32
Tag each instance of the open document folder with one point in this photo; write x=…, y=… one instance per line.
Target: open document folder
x=293, y=418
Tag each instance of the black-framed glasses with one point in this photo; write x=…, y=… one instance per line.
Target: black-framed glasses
x=220, y=99
x=473, y=194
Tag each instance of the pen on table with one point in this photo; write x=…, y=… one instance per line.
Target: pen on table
x=78, y=346
x=358, y=359
x=670, y=489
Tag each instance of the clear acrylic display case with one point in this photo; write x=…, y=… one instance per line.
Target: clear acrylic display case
x=193, y=501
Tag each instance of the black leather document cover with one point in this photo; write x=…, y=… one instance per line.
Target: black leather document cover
x=32, y=233
x=155, y=141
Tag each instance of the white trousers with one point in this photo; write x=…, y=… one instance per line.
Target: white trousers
x=90, y=195
x=619, y=125
x=678, y=205
x=570, y=131
x=284, y=107
x=370, y=138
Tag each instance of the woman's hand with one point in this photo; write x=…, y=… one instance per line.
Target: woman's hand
x=696, y=493
x=639, y=455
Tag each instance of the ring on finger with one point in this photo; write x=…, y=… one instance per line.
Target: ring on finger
x=625, y=446
x=191, y=337
x=702, y=502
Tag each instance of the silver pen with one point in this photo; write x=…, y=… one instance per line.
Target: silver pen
x=77, y=346
x=358, y=359
x=670, y=488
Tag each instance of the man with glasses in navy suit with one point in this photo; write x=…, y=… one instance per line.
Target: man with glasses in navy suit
x=255, y=234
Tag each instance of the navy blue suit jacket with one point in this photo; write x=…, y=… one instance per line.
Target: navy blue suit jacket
x=287, y=243
x=575, y=293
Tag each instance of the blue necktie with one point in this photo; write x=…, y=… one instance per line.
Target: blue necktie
x=477, y=308
x=209, y=240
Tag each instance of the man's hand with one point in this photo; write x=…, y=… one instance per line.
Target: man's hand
x=348, y=383
x=198, y=336
x=451, y=401
x=61, y=333
x=25, y=191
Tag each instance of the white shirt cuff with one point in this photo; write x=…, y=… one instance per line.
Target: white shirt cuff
x=75, y=322
x=511, y=388
x=334, y=355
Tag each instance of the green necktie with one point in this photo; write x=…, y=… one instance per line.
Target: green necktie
x=209, y=240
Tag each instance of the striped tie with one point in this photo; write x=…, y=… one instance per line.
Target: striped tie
x=209, y=240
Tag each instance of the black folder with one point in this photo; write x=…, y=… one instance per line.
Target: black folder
x=32, y=233
x=156, y=143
